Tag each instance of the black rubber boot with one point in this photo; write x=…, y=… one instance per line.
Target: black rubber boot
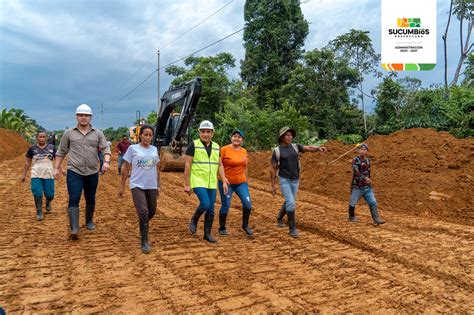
x=120, y=171
x=222, y=219
x=245, y=221
x=89, y=216
x=145, y=247
x=280, y=216
x=39, y=208
x=194, y=221
x=208, y=220
x=73, y=213
x=352, y=216
x=48, y=205
x=375, y=215
x=292, y=224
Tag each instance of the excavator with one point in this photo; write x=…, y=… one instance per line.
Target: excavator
x=172, y=127
x=135, y=130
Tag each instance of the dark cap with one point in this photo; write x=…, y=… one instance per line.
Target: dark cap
x=364, y=145
x=240, y=132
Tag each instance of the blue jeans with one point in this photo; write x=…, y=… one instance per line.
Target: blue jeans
x=365, y=192
x=40, y=185
x=120, y=160
x=242, y=190
x=289, y=189
x=207, y=199
x=76, y=183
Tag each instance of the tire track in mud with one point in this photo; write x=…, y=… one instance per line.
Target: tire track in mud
x=333, y=267
x=434, y=241
x=192, y=259
x=25, y=267
x=271, y=219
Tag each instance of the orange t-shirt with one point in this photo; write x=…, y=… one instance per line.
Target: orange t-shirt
x=235, y=163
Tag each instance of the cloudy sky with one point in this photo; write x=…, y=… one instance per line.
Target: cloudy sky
x=56, y=54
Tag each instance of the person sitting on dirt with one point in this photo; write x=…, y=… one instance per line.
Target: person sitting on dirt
x=362, y=185
x=285, y=162
x=121, y=149
x=41, y=156
x=202, y=164
x=234, y=159
x=144, y=180
x=81, y=143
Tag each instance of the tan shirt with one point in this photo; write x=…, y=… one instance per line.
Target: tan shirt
x=82, y=149
x=42, y=161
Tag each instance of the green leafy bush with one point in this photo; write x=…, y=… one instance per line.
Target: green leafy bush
x=350, y=139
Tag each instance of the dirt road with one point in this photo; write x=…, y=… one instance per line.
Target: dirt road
x=411, y=264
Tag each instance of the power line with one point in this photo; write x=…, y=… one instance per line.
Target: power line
x=172, y=41
x=195, y=26
x=199, y=50
x=134, y=89
x=171, y=63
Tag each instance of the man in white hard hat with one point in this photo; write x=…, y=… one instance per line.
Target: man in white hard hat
x=81, y=143
x=202, y=164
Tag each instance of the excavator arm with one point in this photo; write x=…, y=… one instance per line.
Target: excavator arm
x=171, y=127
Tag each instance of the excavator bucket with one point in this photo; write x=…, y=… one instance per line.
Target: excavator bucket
x=170, y=161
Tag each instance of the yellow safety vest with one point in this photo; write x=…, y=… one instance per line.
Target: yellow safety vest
x=204, y=169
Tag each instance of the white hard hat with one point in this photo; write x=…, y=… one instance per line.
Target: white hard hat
x=84, y=109
x=206, y=124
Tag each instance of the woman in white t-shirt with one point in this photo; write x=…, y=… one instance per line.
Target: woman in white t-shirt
x=144, y=180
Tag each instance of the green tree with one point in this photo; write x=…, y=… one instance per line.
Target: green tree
x=151, y=118
x=389, y=95
x=109, y=133
x=15, y=119
x=464, y=11
x=275, y=31
x=450, y=110
x=215, y=83
x=112, y=134
x=469, y=71
x=261, y=126
x=319, y=88
x=356, y=47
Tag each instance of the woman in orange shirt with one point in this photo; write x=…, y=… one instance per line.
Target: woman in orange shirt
x=234, y=158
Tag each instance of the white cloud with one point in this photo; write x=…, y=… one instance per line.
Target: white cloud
x=69, y=52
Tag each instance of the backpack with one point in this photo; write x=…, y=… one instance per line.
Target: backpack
x=295, y=147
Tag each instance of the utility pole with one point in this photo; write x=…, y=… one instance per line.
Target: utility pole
x=102, y=116
x=158, y=87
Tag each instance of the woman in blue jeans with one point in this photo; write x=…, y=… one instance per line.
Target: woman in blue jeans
x=202, y=164
x=285, y=162
x=235, y=161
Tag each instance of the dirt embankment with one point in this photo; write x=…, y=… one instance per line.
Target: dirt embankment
x=416, y=171
x=11, y=144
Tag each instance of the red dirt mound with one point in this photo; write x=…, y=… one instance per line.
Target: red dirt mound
x=417, y=171
x=11, y=144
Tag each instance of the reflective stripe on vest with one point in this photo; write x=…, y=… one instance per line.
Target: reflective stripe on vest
x=204, y=168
